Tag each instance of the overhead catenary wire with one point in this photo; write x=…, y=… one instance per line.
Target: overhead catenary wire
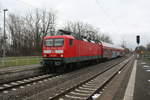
x=106, y=13
x=27, y=4
x=32, y=7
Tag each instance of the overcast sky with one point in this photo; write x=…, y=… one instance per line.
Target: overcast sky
x=120, y=19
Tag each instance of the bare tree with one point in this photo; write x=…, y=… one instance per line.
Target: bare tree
x=48, y=23
x=27, y=32
x=41, y=23
x=80, y=30
x=15, y=27
x=105, y=38
x=77, y=28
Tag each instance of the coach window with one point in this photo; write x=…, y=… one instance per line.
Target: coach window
x=71, y=42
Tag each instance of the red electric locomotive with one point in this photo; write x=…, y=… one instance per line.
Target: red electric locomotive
x=64, y=49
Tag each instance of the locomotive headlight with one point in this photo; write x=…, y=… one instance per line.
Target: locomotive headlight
x=59, y=51
x=44, y=55
x=61, y=55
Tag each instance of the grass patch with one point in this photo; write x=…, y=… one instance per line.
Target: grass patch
x=19, y=61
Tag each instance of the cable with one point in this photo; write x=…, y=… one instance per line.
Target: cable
x=33, y=7
x=26, y=3
x=105, y=12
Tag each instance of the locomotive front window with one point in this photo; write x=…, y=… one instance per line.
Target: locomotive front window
x=54, y=42
x=48, y=42
x=58, y=42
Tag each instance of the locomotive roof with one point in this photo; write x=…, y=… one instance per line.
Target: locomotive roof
x=111, y=46
x=60, y=36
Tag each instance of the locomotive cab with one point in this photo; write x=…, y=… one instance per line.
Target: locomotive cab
x=54, y=47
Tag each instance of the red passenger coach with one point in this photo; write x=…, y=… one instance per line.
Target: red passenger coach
x=111, y=51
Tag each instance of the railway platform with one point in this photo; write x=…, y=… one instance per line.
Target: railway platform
x=133, y=83
x=142, y=81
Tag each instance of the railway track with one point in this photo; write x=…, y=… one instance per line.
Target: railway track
x=12, y=85
x=13, y=74
x=94, y=86
x=5, y=88
x=61, y=91
x=27, y=88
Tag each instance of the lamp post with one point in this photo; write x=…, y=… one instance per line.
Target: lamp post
x=4, y=39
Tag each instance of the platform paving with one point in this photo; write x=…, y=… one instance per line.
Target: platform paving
x=133, y=85
x=142, y=81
